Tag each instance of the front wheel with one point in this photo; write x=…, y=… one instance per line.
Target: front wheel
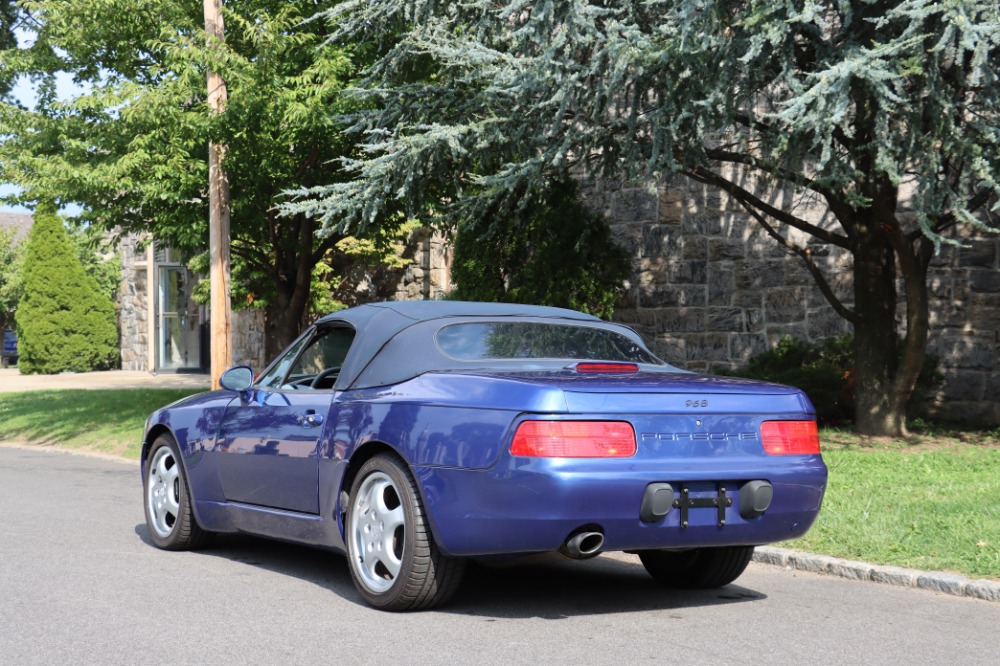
x=394, y=562
x=167, y=504
x=698, y=568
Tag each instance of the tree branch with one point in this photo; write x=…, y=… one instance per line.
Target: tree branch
x=949, y=220
x=806, y=256
x=325, y=246
x=791, y=177
x=745, y=197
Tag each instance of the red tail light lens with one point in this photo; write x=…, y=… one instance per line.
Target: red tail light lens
x=606, y=367
x=574, y=439
x=785, y=438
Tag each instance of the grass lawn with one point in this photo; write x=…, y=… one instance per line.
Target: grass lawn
x=105, y=421
x=926, y=503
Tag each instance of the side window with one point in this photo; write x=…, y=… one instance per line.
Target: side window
x=318, y=366
x=276, y=374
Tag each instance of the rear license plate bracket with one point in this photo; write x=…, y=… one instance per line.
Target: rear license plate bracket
x=719, y=502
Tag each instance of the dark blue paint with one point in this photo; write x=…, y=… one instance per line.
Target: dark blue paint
x=254, y=466
x=267, y=449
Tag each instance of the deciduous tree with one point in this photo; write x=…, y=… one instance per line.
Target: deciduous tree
x=8, y=39
x=10, y=278
x=132, y=149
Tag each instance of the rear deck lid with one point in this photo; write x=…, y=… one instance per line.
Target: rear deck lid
x=667, y=393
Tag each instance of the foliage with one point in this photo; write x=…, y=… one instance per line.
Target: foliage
x=133, y=149
x=11, y=256
x=872, y=108
x=614, y=87
x=331, y=277
x=99, y=259
x=809, y=368
x=825, y=372
x=64, y=322
x=8, y=39
x=109, y=421
x=92, y=250
x=911, y=505
x=551, y=252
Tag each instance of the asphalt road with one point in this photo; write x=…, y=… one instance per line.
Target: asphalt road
x=80, y=583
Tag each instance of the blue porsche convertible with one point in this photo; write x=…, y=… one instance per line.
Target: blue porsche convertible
x=414, y=436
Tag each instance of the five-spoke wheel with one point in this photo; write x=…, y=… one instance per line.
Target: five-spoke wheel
x=394, y=562
x=163, y=485
x=171, y=523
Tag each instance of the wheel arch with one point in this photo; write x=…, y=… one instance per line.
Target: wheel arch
x=357, y=460
x=154, y=432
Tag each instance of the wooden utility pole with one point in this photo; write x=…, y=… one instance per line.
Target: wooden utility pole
x=220, y=308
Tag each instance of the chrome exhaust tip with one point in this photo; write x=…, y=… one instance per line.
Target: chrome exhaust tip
x=583, y=545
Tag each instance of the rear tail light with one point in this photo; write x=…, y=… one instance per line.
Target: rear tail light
x=606, y=367
x=574, y=439
x=783, y=438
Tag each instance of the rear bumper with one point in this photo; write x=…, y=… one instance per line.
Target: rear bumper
x=532, y=505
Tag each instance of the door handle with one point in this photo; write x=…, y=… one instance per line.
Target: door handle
x=310, y=419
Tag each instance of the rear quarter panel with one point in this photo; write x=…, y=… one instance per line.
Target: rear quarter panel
x=445, y=420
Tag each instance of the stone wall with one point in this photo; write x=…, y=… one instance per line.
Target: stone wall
x=426, y=275
x=133, y=307
x=710, y=288
x=247, y=328
x=965, y=329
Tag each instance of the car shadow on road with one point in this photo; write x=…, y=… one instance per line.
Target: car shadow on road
x=545, y=586
x=553, y=587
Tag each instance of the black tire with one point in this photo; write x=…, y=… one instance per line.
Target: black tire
x=167, y=500
x=697, y=569
x=394, y=562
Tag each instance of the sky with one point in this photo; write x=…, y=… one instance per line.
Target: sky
x=25, y=93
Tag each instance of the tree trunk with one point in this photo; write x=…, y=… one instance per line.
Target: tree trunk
x=280, y=329
x=886, y=375
x=292, y=276
x=878, y=408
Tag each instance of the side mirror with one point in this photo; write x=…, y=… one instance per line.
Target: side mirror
x=238, y=378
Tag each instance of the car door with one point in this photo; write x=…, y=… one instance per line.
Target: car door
x=269, y=442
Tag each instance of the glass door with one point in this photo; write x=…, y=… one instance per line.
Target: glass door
x=178, y=320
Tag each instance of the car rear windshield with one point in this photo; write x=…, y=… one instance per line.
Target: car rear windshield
x=523, y=340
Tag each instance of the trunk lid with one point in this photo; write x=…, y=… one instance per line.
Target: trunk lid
x=667, y=393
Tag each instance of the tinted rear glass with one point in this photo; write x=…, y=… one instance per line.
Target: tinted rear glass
x=523, y=340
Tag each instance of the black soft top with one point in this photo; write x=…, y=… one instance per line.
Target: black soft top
x=395, y=341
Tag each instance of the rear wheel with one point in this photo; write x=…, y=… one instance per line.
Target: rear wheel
x=169, y=517
x=698, y=568
x=394, y=562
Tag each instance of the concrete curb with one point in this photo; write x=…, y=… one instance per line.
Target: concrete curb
x=946, y=583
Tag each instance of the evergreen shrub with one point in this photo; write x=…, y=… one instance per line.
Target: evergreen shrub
x=825, y=372
x=64, y=322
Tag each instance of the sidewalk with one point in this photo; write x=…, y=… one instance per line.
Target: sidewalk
x=12, y=381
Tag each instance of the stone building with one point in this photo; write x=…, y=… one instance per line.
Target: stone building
x=710, y=289
x=164, y=330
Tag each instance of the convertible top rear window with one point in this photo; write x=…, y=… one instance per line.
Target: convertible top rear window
x=536, y=340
